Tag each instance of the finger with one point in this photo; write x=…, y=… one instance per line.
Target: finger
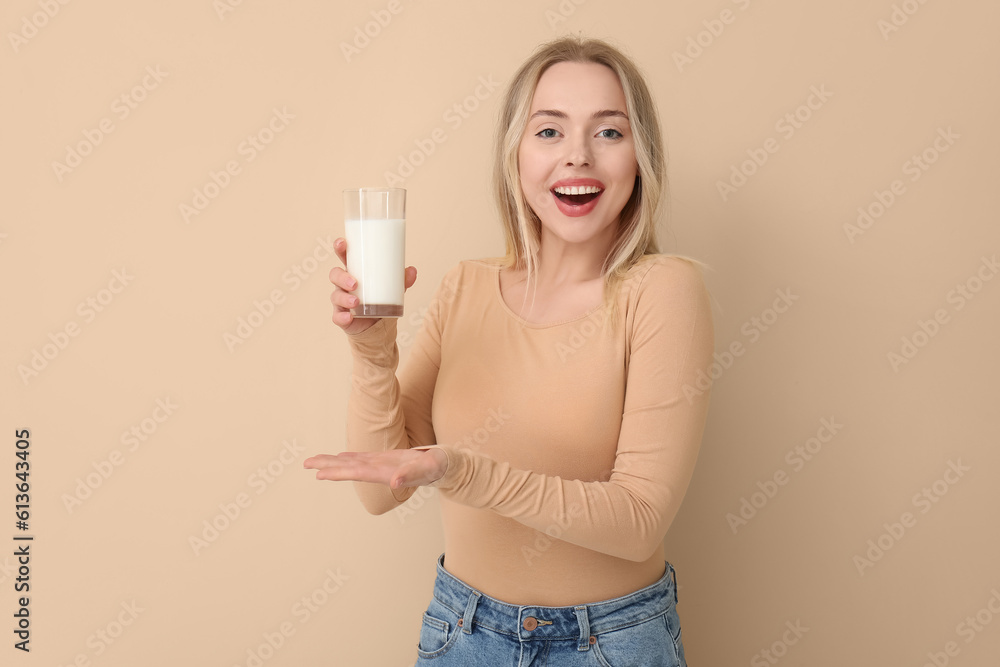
x=355, y=455
x=324, y=460
x=413, y=473
x=344, y=471
x=343, y=318
x=333, y=468
x=318, y=461
x=339, y=474
x=340, y=247
x=342, y=279
x=400, y=478
x=410, y=277
x=343, y=300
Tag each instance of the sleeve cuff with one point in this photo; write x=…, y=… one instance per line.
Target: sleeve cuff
x=380, y=328
x=451, y=471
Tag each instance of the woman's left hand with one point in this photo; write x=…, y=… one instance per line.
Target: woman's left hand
x=396, y=468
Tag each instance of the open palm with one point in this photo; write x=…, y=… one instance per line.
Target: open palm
x=396, y=468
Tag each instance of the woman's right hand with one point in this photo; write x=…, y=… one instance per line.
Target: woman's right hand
x=342, y=298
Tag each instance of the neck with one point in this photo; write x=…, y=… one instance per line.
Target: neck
x=565, y=264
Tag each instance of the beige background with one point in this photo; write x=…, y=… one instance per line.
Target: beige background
x=278, y=72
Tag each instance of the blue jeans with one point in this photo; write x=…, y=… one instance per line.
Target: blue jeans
x=465, y=628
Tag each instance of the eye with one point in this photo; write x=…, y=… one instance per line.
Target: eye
x=616, y=134
x=543, y=134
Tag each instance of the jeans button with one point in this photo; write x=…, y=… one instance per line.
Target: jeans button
x=530, y=623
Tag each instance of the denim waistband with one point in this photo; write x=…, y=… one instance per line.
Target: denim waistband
x=533, y=622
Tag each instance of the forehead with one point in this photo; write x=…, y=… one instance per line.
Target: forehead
x=578, y=86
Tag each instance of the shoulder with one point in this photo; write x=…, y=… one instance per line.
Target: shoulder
x=470, y=273
x=482, y=266
x=468, y=280
x=668, y=302
x=474, y=267
x=667, y=279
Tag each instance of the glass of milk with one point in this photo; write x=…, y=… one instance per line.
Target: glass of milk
x=375, y=230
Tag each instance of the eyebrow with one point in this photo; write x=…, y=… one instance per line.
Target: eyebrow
x=604, y=113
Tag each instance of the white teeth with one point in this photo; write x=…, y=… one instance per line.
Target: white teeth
x=583, y=190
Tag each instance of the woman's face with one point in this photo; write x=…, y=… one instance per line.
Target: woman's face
x=578, y=135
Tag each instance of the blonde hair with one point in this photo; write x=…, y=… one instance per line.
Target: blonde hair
x=636, y=234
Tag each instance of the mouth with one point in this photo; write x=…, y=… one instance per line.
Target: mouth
x=577, y=200
x=577, y=195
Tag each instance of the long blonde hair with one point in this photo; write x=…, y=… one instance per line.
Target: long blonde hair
x=636, y=234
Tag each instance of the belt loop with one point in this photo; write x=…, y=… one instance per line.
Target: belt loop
x=470, y=612
x=673, y=575
x=581, y=616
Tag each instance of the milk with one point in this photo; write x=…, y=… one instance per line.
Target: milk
x=375, y=257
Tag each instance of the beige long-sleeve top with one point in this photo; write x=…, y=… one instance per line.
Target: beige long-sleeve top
x=570, y=445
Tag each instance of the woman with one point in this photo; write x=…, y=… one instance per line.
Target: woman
x=549, y=395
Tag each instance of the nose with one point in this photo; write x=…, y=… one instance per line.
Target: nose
x=578, y=152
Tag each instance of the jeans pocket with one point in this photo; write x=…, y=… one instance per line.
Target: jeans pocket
x=647, y=644
x=437, y=635
x=673, y=622
x=433, y=634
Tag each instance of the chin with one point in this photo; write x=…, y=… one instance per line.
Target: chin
x=577, y=231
